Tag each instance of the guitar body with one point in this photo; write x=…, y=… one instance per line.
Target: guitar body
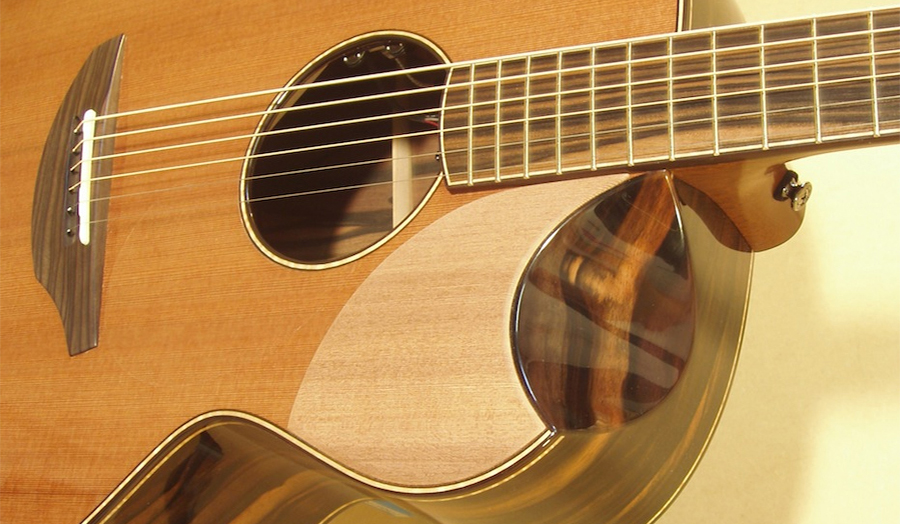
x=477, y=357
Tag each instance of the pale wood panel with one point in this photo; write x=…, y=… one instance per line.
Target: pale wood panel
x=419, y=362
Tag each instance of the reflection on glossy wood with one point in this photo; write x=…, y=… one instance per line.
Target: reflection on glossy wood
x=605, y=315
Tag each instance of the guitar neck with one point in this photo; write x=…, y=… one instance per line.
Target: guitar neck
x=674, y=98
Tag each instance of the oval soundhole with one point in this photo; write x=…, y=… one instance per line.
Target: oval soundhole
x=605, y=312
x=338, y=167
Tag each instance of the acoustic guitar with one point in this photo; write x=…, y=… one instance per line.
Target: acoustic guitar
x=505, y=289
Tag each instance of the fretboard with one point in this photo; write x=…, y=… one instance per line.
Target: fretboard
x=674, y=98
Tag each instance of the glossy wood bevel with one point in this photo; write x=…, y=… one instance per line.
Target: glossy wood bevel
x=605, y=314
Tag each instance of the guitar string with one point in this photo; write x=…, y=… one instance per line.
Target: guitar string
x=610, y=132
x=490, y=104
x=468, y=128
x=646, y=127
x=460, y=65
x=415, y=177
x=599, y=67
x=594, y=49
x=869, y=14
x=489, y=81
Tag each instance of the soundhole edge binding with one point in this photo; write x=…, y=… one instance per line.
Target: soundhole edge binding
x=338, y=168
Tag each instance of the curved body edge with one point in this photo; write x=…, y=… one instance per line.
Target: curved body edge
x=232, y=467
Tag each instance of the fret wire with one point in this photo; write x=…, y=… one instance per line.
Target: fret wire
x=559, y=112
x=715, y=93
x=817, y=112
x=764, y=97
x=730, y=49
x=218, y=161
x=593, y=109
x=704, y=97
x=748, y=69
x=671, y=96
x=526, y=125
x=497, y=115
x=433, y=68
x=875, y=118
x=686, y=155
x=746, y=47
x=691, y=154
x=470, y=155
x=872, y=56
x=886, y=75
x=614, y=132
x=629, y=123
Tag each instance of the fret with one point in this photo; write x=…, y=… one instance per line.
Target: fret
x=844, y=76
x=629, y=108
x=541, y=117
x=789, y=80
x=484, y=121
x=870, y=23
x=470, y=163
x=817, y=107
x=650, y=100
x=575, y=111
x=593, y=108
x=763, y=95
x=692, y=95
x=673, y=98
x=670, y=106
x=887, y=42
x=558, y=117
x=738, y=85
x=715, y=94
x=497, y=121
x=526, y=134
x=610, y=101
x=513, y=109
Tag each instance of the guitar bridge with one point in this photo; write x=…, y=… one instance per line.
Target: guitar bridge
x=67, y=206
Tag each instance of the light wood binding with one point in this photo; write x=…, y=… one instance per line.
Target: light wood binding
x=243, y=331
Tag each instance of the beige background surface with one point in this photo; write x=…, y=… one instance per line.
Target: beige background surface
x=811, y=433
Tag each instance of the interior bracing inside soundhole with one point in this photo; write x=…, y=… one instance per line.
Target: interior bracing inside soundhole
x=336, y=169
